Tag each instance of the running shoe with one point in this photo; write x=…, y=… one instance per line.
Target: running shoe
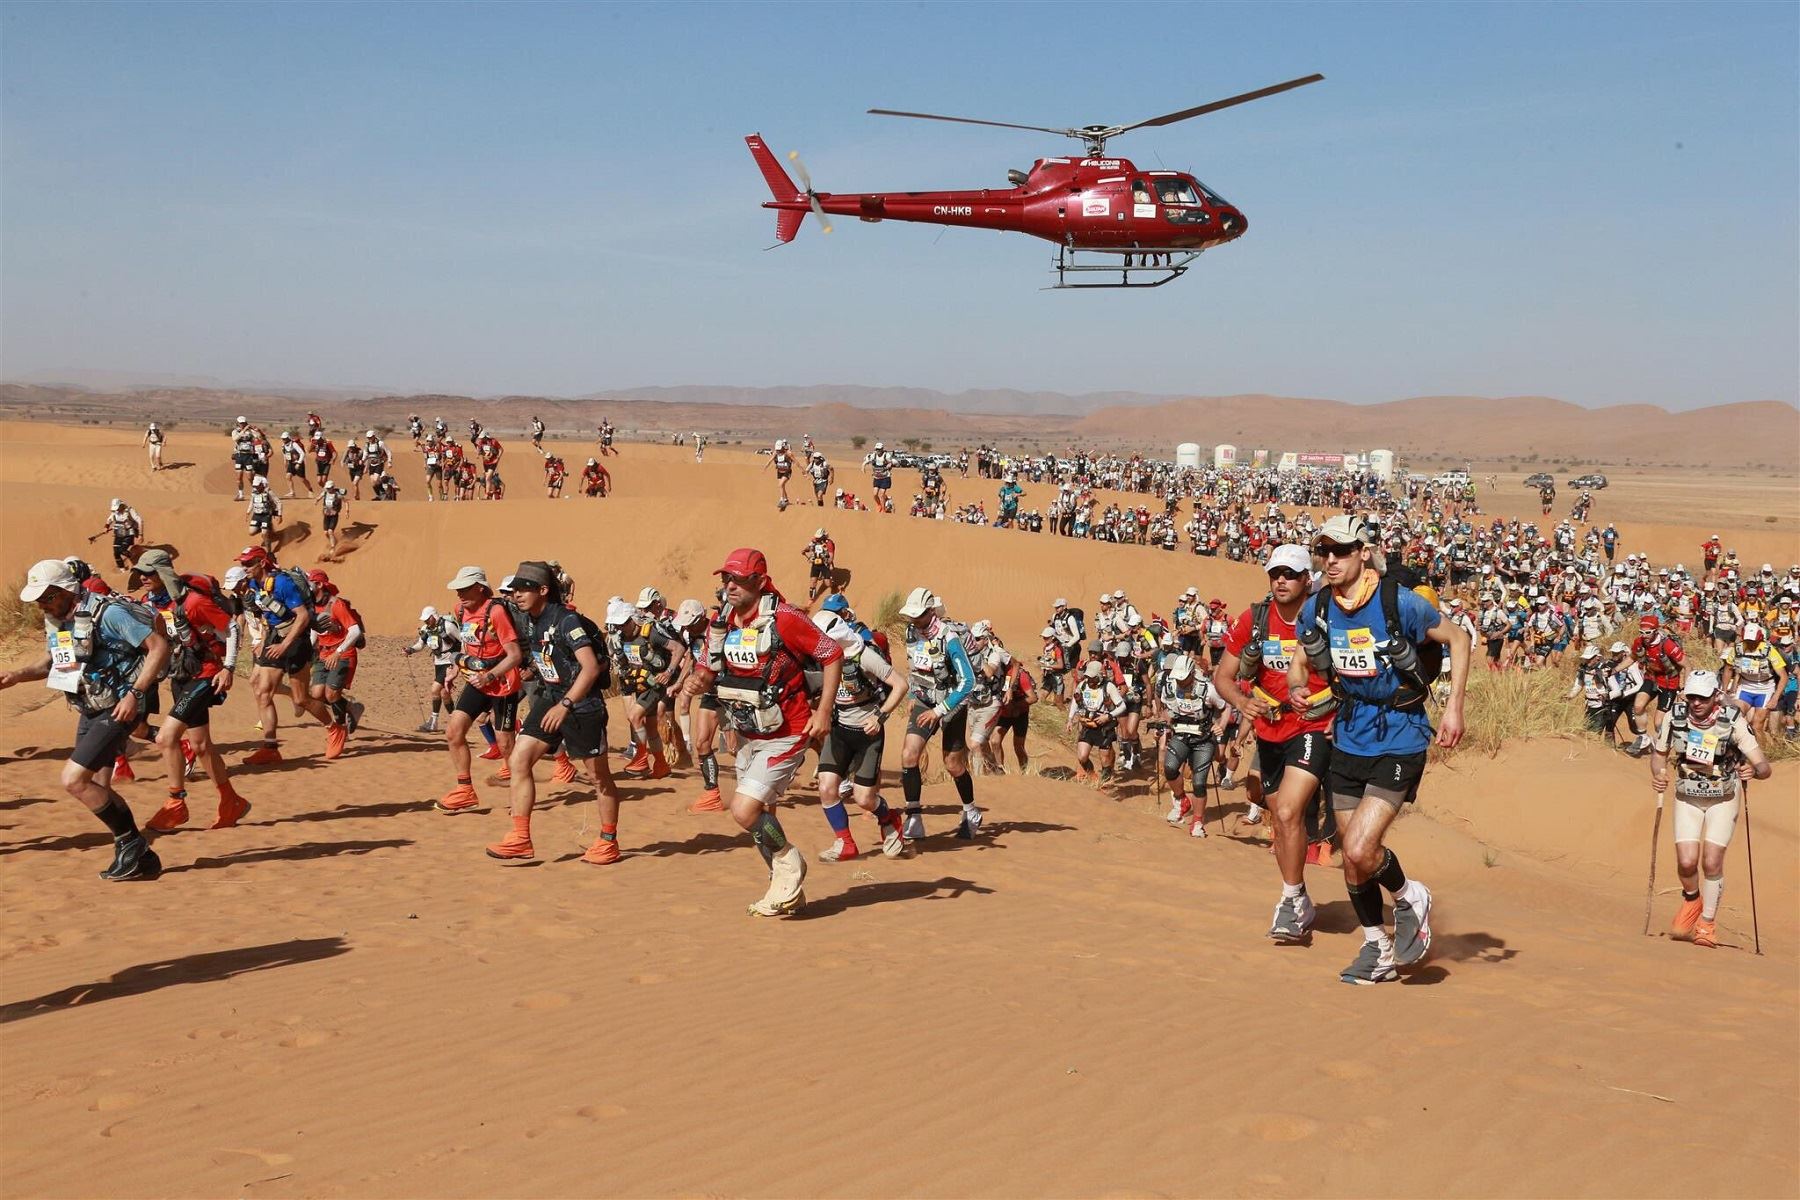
x=639, y=765
x=893, y=841
x=1228, y=784
x=1198, y=828
x=335, y=736
x=264, y=756
x=516, y=845
x=1253, y=815
x=504, y=774
x=460, y=798
x=356, y=715
x=1685, y=916
x=1374, y=963
x=972, y=818
x=1294, y=917
x=602, y=852
x=709, y=802
x=427, y=727
x=132, y=859
x=659, y=767
x=1179, y=810
x=172, y=815
x=492, y=753
x=914, y=826
x=785, y=894
x=842, y=850
x=1412, y=927
x=122, y=772
x=1705, y=934
x=564, y=772
x=232, y=809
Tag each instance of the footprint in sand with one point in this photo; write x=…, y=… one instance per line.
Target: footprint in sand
x=1347, y=1070
x=1279, y=1127
x=224, y=1158
x=306, y=1039
x=649, y=977
x=538, y=1001
x=600, y=1112
x=114, y=1101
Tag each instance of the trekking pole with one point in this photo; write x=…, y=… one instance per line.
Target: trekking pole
x=1755, y=925
x=1655, y=835
x=413, y=679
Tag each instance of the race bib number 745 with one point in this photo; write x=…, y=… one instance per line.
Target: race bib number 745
x=1353, y=653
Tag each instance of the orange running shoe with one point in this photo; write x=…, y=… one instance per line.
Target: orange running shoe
x=659, y=767
x=709, y=802
x=172, y=815
x=122, y=772
x=232, y=809
x=639, y=765
x=460, y=798
x=516, y=845
x=602, y=852
x=565, y=769
x=1685, y=917
x=1705, y=934
x=265, y=756
x=504, y=774
x=335, y=736
x=492, y=752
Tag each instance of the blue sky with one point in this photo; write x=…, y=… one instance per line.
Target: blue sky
x=1597, y=202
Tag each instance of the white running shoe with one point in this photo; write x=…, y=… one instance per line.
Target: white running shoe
x=893, y=845
x=1294, y=918
x=784, y=895
x=838, y=851
x=1253, y=816
x=1412, y=926
x=914, y=826
x=1197, y=829
x=1374, y=963
x=972, y=818
x=1178, y=811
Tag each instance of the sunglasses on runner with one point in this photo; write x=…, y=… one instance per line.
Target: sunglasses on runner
x=743, y=581
x=1285, y=573
x=1337, y=550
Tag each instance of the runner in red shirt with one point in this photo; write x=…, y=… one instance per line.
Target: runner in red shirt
x=336, y=630
x=1293, y=750
x=201, y=671
x=1016, y=698
x=489, y=663
x=757, y=650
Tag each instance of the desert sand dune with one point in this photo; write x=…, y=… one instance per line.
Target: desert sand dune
x=343, y=997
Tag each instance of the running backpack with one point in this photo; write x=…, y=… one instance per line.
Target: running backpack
x=1415, y=664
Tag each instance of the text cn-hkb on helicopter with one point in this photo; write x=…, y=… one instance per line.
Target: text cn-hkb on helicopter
x=1149, y=225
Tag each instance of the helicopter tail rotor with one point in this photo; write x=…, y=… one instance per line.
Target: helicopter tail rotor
x=787, y=219
x=812, y=197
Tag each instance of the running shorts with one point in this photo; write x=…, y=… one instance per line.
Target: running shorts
x=1391, y=778
x=766, y=766
x=193, y=702
x=339, y=677
x=296, y=470
x=852, y=754
x=472, y=702
x=1755, y=696
x=1309, y=752
x=1186, y=750
x=582, y=734
x=1016, y=724
x=883, y=482
x=954, y=727
x=981, y=723
x=1710, y=821
x=298, y=657
x=440, y=672
x=263, y=523
x=331, y=521
x=245, y=461
x=98, y=740
x=1100, y=737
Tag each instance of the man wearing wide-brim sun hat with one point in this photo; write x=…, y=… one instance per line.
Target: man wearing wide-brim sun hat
x=103, y=653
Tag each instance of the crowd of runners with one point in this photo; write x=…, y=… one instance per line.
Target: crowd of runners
x=1321, y=698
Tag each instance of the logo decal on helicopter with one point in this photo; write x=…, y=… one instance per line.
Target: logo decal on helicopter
x=1095, y=206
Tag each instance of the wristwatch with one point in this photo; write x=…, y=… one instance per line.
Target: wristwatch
x=139, y=693
x=568, y=703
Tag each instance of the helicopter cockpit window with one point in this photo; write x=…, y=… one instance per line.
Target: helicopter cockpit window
x=1180, y=204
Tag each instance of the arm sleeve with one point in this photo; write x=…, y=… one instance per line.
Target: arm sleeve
x=1116, y=701
x=965, y=674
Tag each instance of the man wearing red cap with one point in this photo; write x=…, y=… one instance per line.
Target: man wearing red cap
x=758, y=647
x=283, y=601
x=1663, y=660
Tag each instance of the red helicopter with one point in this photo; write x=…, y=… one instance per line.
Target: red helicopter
x=1147, y=226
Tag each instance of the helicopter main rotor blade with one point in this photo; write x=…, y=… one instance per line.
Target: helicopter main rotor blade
x=888, y=112
x=1216, y=105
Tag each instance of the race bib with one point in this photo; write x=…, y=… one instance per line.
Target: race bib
x=1702, y=746
x=923, y=656
x=546, y=668
x=1278, y=653
x=635, y=655
x=65, y=671
x=1353, y=653
x=743, y=648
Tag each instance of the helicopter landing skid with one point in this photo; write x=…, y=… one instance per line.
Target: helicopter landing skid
x=1134, y=267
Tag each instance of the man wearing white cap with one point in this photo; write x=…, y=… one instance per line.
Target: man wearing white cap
x=1713, y=752
x=653, y=662
x=1069, y=628
x=440, y=637
x=941, y=681
x=1293, y=749
x=488, y=659
x=104, y=653
x=127, y=529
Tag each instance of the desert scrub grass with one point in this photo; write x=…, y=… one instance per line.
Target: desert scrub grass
x=21, y=623
x=1501, y=706
x=888, y=618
